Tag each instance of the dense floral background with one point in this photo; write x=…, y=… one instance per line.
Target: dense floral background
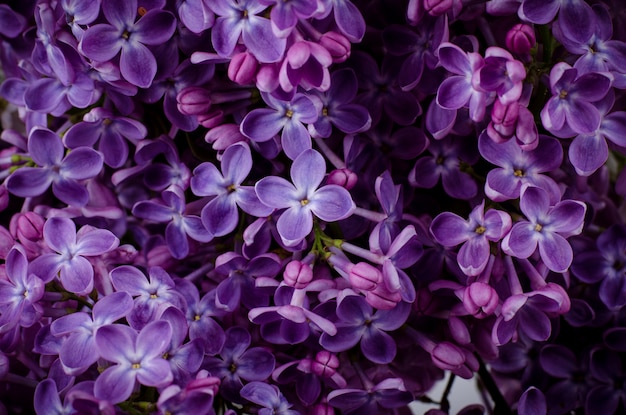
x=312, y=207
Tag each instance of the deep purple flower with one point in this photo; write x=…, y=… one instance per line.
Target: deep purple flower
x=286, y=14
x=262, y=124
x=71, y=247
x=241, y=19
x=102, y=42
x=575, y=16
x=450, y=229
x=359, y=324
x=502, y=74
x=110, y=131
x=607, y=367
x=372, y=399
x=64, y=173
x=171, y=210
x=306, y=65
x=269, y=397
x=547, y=226
x=347, y=17
x=137, y=357
x=220, y=215
x=303, y=199
x=238, y=361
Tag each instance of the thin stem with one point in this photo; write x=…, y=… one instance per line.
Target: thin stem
x=330, y=155
x=501, y=407
x=444, y=404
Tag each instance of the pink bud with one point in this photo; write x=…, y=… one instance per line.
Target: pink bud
x=364, y=276
x=321, y=409
x=223, y=136
x=343, y=177
x=437, y=7
x=325, y=364
x=337, y=45
x=28, y=229
x=298, y=274
x=242, y=68
x=383, y=299
x=447, y=356
x=193, y=100
x=459, y=331
x=212, y=119
x=4, y=197
x=520, y=39
x=480, y=299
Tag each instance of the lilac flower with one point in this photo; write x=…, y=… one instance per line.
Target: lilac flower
x=269, y=397
x=451, y=230
x=64, y=173
x=461, y=89
x=241, y=18
x=79, y=14
x=78, y=350
x=220, y=215
x=518, y=168
x=71, y=247
x=262, y=124
x=503, y=74
x=347, y=17
x=195, y=15
x=337, y=108
x=358, y=323
x=547, y=226
x=388, y=394
x=303, y=199
x=238, y=361
x=605, y=265
x=606, y=366
x=19, y=294
x=195, y=398
x=445, y=162
x=171, y=210
x=572, y=94
x=137, y=357
x=575, y=16
x=150, y=294
x=102, y=42
x=102, y=126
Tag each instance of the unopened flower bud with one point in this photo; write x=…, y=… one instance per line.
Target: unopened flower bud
x=520, y=39
x=459, y=331
x=4, y=197
x=343, y=177
x=383, y=299
x=28, y=229
x=223, y=136
x=298, y=274
x=212, y=119
x=437, y=7
x=242, y=68
x=325, y=364
x=447, y=356
x=480, y=299
x=337, y=45
x=193, y=100
x=321, y=409
x=364, y=276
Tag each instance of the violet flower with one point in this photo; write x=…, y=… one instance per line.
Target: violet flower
x=269, y=397
x=68, y=261
x=63, y=173
x=547, y=226
x=103, y=41
x=136, y=357
x=286, y=14
x=303, y=199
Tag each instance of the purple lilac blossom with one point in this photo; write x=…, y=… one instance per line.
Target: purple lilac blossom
x=303, y=198
x=70, y=249
x=63, y=173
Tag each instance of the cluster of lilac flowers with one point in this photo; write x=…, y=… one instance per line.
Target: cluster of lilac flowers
x=312, y=207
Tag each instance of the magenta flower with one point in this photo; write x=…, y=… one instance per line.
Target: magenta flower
x=547, y=226
x=303, y=199
x=136, y=358
x=102, y=42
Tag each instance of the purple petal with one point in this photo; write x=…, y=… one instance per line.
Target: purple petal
x=45, y=147
x=331, y=203
x=522, y=240
x=259, y=38
x=116, y=342
x=220, y=215
x=45, y=95
x=555, y=252
x=71, y=323
x=60, y=234
x=582, y=116
x=502, y=185
x=276, y=192
x=77, y=275
x=95, y=242
x=79, y=350
x=450, y=229
x=224, y=35
x=249, y=202
x=152, y=211
x=154, y=28
x=236, y=163
x=425, y=173
x=81, y=163
x=262, y=124
x=120, y=13
x=295, y=139
x=534, y=203
x=459, y=185
x=307, y=171
x=532, y=402
x=567, y=217
x=588, y=153
x=176, y=240
x=130, y=279
x=540, y=11
x=349, y=20
x=294, y=224
x=47, y=400
x=101, y=42
x=112, y=307
x=207, y=180
x=46, y=266
x=378, y=346
x=614, y=128
x=137, y=64
x=29, y=181
x=473, y=256
x=346, y=338
x=115, y=384
x=154, y=339
x=454, y=93
x=70, y=192
x=193, y=227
